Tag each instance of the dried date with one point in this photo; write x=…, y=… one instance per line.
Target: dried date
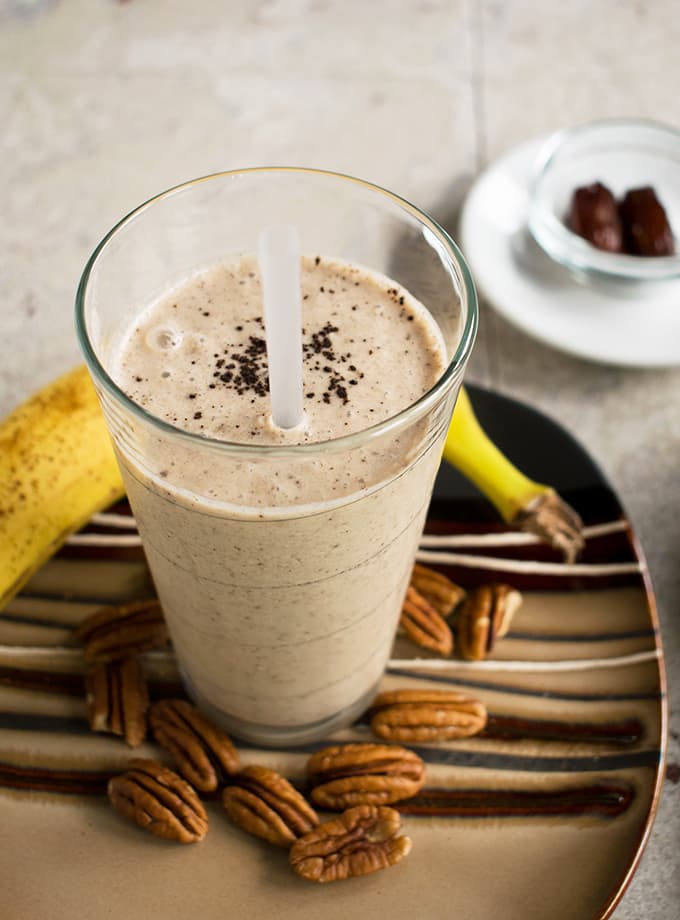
x=646, y=230
x=594, y=215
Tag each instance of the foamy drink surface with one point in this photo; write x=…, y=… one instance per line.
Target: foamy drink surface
x=198, y=359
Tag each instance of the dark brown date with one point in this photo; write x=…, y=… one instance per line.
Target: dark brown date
x=646, y=231
x=594, y=215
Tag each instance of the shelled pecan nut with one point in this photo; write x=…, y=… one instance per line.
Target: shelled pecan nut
x=362, y=840
x=116, y=632
x=345, y=775
x=424, y=625
x=426, y=715
x=203, y=753
x=160, y=801
x=484, y=617
x=265, y=804
x=437, y=589
x=117, y=699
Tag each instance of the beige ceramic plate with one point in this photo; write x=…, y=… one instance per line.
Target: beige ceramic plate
x=542, y=816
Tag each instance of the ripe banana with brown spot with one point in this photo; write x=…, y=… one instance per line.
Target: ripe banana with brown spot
x=57, y=468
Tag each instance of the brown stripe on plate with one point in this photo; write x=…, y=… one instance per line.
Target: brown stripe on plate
x=110, y=552
x=601, y=799
x=503, y=728
x=72, y=684
x=42, y=681
x=48, y=779
x=622, y=732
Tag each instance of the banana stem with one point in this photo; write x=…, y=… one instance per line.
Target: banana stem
x=521, y=502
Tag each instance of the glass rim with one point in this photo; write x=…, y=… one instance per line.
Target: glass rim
x=394, y=422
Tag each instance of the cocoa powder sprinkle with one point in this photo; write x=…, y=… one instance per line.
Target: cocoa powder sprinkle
x=246, y=369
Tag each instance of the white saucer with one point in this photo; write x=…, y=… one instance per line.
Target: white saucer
x=636, y=325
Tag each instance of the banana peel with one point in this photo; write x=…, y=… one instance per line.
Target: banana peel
x=522, y=503
x=57, y=468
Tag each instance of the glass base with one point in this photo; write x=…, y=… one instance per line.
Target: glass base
x=272, y=736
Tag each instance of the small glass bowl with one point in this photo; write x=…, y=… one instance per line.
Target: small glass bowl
x=622, y=154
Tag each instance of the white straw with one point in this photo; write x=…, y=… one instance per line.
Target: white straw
x=279, y=258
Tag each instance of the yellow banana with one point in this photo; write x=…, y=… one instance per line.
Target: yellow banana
x=57, y=468
x=521, y=502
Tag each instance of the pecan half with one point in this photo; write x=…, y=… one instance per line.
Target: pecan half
x=440, y=591
x=345, y=775
x=265, y=804
x=160, y=801
x=116, y=632
x=423, y=625
x=362, y=840
x=117, y=699
x=484, y=617
x=426, y=715
x=203, y=753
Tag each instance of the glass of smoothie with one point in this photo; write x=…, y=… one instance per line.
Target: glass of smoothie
x=280, y=556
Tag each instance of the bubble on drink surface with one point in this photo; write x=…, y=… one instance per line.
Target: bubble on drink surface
x=164, y=338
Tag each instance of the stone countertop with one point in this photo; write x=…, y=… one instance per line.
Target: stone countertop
x=103, y=103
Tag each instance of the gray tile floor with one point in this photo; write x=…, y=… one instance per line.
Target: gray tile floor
x=104, y=103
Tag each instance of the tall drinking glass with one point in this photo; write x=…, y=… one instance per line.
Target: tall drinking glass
x=282, y=611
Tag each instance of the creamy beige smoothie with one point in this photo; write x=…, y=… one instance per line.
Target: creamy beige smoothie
x=282, y=578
